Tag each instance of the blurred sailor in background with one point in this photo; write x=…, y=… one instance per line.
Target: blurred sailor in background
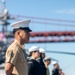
x=33, y=65
x=47, y=61
x=41, y=62
x=55, y=71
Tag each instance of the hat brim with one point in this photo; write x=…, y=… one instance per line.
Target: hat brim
x=47, y=59
x=26, y=29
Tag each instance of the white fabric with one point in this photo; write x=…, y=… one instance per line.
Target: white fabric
x=34, y=48
x=23, y=23
x=41, y=50
x=46, y=58
x=54, y=62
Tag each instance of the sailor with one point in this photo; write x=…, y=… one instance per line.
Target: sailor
x=47, y=61
x=40, y=60
x=55, y=71
x=33, y=65
x=16, y=60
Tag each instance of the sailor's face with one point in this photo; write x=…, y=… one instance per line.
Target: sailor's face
x=48, y=61
x=57, y=66
x=43, y=55
x=37, y=54
x=25, y=35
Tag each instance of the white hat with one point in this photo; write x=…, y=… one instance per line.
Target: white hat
x=54, y=62
x=24, y=24
x=34, y=48
x=41, y=50
x=46, y=58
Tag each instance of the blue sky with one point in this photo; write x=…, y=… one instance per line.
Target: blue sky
x=46, y=9
x=54, y=9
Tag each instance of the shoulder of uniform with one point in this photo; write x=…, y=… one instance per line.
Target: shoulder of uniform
x=54, y=70
x=31, y=61
x=12, y=47
x=38, y=59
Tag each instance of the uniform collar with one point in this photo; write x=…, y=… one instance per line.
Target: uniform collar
x=22, y=46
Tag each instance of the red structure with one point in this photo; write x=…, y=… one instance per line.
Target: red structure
x=46, y=34
x=43, y=37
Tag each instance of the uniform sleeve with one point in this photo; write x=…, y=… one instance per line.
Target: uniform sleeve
x=12, y=56
x=30, y=68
